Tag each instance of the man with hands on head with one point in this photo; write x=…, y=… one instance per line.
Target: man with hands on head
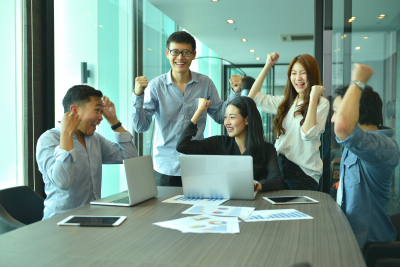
x=172, y=99
x=70, y=156
x=369, y=158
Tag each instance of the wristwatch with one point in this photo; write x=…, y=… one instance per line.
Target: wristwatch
x=359, y=83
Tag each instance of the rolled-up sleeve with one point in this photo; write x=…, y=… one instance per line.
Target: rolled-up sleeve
x=115, y=153
x=361, y=143
x=268, y=103
x=58, y=164
x=143, y=108
x=322, y=114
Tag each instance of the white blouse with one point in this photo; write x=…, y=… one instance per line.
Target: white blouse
x=300, y=148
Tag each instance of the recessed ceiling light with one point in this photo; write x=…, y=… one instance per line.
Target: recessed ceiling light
x=214, y=0
x=358, y=47
x=352, y=19
x=366, y=37
x=230, y=21
x=381, y=16
x=338, y=49
x=252, y=50
x=257, y=58
x=244, y=40
x=344, y=35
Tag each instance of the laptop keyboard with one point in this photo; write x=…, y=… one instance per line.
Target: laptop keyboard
x=122, y=200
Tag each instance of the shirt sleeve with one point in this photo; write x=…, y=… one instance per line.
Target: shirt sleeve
x=186, y=145
x=115, y=153
x=143, y=108
x=322, y=114
x=56, y=164
x=218, y=107
x=268, y=103
x=372, y=148
x=273, y=179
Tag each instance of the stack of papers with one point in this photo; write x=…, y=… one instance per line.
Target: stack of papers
x=214, y=218
x=276, y=215
x=203, y=224
x=220, y=210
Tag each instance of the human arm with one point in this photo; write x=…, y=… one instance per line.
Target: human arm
x=109, y=113
x=203, y=105
x=236, y=83
x=347, y=115
x=311, y=117
x=116, y=152
x=321, y=115
x=270, y=177
x=256, y=88
x=55, y=163
x=217, y=107
x=143, y=108
x=208, y=146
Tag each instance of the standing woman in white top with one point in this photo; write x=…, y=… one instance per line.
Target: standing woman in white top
x=299, y=121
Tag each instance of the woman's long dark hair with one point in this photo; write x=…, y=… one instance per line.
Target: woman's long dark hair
x=255, y=145
x=311, y=66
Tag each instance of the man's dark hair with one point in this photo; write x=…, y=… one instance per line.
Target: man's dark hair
x=182, y=37
x=370, y=106
x=79, y=95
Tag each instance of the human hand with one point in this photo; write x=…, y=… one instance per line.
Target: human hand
x=140, y=84
x=203, y=104
x=109, y=112
x=361, y=72
x=316, y=92
x=272, y=59
x=236, y=83
x=257, y=186
x=70, y=123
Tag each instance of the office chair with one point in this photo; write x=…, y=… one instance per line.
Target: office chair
x=385, y=254
x=19, y=206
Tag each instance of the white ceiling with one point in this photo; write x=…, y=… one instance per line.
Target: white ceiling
x=259, y=21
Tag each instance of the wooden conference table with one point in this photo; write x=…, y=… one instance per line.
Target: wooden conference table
x=326, y=240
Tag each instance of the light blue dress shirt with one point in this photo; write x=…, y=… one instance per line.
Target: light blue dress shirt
x=172, y=110
x=73, y=178
x=368, y=161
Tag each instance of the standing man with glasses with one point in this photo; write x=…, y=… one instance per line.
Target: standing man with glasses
x=172, y=98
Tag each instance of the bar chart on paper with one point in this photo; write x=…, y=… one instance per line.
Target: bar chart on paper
x=276, y=215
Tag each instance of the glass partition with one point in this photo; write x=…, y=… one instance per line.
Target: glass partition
x=372, y=37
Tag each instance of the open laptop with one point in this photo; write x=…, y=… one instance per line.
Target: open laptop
x=210, y=176
x=141, y=184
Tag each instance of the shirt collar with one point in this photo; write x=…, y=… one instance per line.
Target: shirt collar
x=194, y=77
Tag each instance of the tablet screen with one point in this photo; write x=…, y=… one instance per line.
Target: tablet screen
x=93, y=220
x=290, y=200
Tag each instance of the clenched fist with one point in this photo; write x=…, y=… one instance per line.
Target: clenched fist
x=140, y=84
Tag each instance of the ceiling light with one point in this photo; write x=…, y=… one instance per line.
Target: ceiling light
x=230, y=21
x=252, y=50
x=344, y=35
x=366, y=37
x=358, y=47
x=244, y=40
x=352, y=19
x=214, y=0
x=257, y=58
x=381, y=16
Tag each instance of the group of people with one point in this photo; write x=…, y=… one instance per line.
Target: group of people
x=70, y=155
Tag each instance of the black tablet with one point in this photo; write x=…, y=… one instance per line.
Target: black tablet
x=291, y=200
x=95, y=221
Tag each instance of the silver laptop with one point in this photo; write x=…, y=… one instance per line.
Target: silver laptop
x=140, y=180
x=210, y=176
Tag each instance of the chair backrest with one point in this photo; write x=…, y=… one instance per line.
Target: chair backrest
x=22, y=204
x=7, y=223
x=396, y=222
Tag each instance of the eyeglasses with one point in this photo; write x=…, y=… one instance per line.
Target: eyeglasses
x=185, y=53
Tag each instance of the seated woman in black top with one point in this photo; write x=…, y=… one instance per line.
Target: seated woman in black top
x=243, y=123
